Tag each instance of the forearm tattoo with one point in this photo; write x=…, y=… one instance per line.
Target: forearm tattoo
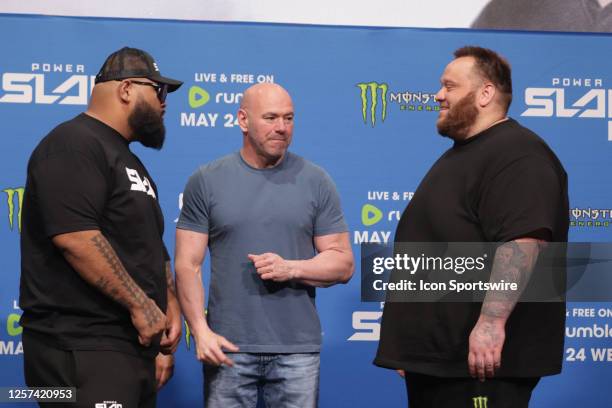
x=513, y=263
x=170, y=278
x=132, y=293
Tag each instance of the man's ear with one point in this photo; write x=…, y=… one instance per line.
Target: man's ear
x=124, y=91
x=243, y=120
x=486, y=94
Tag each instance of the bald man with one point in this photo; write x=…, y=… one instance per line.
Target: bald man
x=275, y=230
x=96, y=285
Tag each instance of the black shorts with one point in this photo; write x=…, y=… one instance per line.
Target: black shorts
x=425, y=391
x=101, y=378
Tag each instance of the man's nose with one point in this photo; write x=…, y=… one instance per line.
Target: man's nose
x=280, y=125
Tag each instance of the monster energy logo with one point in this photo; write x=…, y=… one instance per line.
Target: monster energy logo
x=369, y=90
x=480, y=402
x=10, y=200
x=187, y=336
x=188, y=332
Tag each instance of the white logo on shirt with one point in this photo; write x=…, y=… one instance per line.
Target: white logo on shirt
x=109, y=404
x=140, y=184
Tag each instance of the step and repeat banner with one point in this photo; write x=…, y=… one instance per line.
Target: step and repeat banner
x=365, y=111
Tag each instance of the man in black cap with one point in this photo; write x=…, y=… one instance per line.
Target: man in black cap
x=96, y=285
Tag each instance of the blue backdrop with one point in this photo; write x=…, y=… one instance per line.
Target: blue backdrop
x=376, y=153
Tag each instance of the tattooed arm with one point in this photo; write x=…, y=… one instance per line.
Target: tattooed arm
x=172, y=334
x=91, y=255
x=514, y=262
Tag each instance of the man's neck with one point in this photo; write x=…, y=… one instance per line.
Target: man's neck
x=485, y=123
x=108, y=121
x=258, y=162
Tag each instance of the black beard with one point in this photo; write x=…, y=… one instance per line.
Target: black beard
x=459, y=118
x=147, y=126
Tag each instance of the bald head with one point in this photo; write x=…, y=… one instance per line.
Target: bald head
x=266, y=120
x=262, y=93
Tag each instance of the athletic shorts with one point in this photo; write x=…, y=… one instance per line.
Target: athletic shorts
x=426, y=391
x=103, y=379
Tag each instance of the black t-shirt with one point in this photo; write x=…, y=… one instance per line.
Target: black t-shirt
x=83, y=176
x=502, y=184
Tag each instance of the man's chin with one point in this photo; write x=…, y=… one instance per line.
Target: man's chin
x=153, y=143
x=274, y=156
x=444, y=131
x=441, y=128
x=277, y=150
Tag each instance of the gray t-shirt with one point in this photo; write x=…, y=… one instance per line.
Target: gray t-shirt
x=251, y=211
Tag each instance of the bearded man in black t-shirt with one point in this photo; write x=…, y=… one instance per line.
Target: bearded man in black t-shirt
x=96, y=285
x=498, y=183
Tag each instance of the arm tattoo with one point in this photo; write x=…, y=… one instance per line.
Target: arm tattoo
x=131, y=289
x=169, y=278
x=513, y=263
x=102, y=284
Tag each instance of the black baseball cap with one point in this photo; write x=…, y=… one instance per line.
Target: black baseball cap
x=133, y=63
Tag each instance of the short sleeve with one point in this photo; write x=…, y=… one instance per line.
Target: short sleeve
x=70, y=190
x=521, y=199
x=194, y=213
x=329, y=218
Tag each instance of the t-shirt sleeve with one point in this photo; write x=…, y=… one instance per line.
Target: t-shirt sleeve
x=329, y=218
x=520, y=200
x=70, y=190
x=194, y=213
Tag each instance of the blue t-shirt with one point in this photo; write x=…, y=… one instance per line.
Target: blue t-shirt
x=244, y=211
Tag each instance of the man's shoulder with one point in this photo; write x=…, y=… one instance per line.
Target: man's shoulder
x=307, y=167
x=218, y=165
x=216, y=169
x=514, y=144
x=514, y=138
x=70, y=129
x=68, y=137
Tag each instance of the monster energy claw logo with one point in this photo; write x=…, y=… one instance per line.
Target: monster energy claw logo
x=480, y=402
x=10, y=193
x=187, y=336
x=373, y=88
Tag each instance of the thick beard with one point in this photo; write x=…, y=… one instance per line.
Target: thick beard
x=147, y=125
x=459, y=118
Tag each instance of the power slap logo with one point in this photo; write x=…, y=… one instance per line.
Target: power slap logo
x=583, y=98
x=214, y=98
x=375, y=98
x=366, y=325
x=46, y=84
